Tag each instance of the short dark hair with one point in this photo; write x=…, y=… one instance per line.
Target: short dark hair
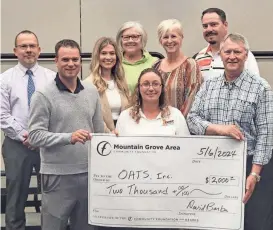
x=25, y=32
x=66, y=43
x=218, y=11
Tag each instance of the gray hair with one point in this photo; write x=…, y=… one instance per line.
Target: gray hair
x=235, y=37
x=169, y=24
x=138, y=27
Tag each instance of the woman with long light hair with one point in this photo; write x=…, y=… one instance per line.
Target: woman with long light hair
x=107, y=75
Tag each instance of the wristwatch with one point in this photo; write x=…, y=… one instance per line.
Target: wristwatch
x=258, y=177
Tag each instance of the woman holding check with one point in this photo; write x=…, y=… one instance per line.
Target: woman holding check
x=149, y=113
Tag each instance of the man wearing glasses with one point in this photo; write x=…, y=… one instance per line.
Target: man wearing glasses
x=17, y=86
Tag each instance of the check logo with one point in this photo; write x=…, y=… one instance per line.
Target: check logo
x=104, y=148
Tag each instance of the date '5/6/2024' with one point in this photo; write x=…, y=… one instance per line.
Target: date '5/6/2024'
x=217, y=153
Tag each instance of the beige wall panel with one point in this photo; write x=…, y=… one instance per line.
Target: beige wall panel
x=266, y=69
x=104, y=17
x=51, y=20
x=85, y=68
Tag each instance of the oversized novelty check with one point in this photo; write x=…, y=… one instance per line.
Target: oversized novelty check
x=167, y=182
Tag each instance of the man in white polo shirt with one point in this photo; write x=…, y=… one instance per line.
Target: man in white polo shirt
x=215, y=28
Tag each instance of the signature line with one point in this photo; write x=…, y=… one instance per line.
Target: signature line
x=134, y=210
x=213, y=194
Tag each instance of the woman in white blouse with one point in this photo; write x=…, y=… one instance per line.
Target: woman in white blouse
x=150, y=113
x=107, y=75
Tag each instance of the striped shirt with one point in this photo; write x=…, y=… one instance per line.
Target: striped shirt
x=246, y=102
x=211, y=65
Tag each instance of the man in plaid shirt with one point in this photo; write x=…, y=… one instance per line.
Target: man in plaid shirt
x=240, y=104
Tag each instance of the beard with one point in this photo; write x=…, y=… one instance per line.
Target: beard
x=209, y=34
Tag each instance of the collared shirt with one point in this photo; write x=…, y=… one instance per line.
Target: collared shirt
x=60, y=85
x=14, y=101
x=211, y=65
x=175, y=124
x=246, y=102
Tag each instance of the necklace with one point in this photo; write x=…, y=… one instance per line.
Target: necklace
x=111, y=85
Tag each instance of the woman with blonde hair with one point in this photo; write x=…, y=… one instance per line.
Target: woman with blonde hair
x=181, y=73
x=132, y=39
x=107, y=75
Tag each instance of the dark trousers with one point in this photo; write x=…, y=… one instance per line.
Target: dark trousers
x=259, y=208
x=19, y=162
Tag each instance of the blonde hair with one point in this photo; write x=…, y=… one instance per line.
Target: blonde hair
x=167, y=25
x=136, y=102
x=117, y=71
x=138, y=27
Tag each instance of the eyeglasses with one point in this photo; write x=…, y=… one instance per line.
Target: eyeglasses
x=134, y=37
x=26, y=46
x=146, y=85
